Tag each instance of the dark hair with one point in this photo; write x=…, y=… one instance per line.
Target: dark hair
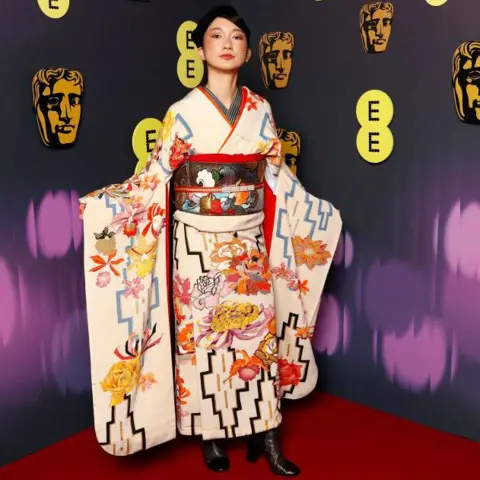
x=224, y=11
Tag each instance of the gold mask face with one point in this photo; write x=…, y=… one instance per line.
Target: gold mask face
x=276, y=52
x=376, y=26
x=466, y=81
x=57, y=102
x=290, y=148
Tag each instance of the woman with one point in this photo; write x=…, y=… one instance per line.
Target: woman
x=239, y=348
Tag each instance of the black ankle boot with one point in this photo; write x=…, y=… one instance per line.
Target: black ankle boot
x=267, y=444
x=214, y=457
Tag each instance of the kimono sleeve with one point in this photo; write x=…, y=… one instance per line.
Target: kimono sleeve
x=273, y=151
x=126, y=269
x=306, y=234
x=170, y=149
x=274, y=162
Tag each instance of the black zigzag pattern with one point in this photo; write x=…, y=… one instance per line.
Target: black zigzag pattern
x=258, y=238
x=191, y=252
x=217, y=411
x=193, y=416
x=140, y=431
x=175, y=243
x=294, y=318
x=264, y=377
x=238, y=401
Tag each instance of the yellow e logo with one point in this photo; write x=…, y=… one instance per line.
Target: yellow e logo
x=374, y=114
x=54, y=8
x=190, y=67
x=436, y=3
x=144, y=138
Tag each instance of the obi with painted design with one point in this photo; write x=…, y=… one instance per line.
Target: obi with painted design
x=220, y=184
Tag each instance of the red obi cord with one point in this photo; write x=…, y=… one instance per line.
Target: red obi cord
x=226, y=158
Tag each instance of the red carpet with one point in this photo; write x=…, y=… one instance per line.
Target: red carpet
x=328, y=437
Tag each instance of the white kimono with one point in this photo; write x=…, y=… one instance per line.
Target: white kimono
x=251, y=250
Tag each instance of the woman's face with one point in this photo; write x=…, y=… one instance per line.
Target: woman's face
x=224, y=46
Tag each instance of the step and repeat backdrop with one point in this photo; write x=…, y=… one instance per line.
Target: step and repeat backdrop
x=377, y=107
x=385, y=97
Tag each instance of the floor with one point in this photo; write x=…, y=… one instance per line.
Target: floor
x=329, y=438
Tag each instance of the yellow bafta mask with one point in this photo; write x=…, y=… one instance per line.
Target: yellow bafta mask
x=276, y=52
x=376, y=26
x=466, y=81
x=290, y=148
x=57, y=101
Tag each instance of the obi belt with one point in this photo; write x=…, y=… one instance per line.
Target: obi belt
x=220, y=184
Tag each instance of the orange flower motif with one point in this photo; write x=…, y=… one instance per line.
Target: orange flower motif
x=182, y=391
x=305, y=332
x=302, y=287
x=272, y=326
x=178, y=309
x=146, y=381
x=110, y=262
x=283, y=272
x=249, y=273
x=155, y=220
x=150, y=182
x=179, y=152
x=251, y=104
x=227, y=251
x=310, y=252
x=185, y=338
x=241, y=197
x=182, y=394
x=247, y=367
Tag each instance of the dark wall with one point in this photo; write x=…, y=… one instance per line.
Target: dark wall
x=399, y=326
x=128, y=55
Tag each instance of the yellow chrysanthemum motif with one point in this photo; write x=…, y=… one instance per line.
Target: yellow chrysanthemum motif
x=121, y=379
x=168, y=122
x=229, y=316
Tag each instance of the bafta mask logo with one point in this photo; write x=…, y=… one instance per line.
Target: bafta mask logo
x=466, y=81
x=57, y=102
x=376, y=26
x=290, y=148
x=276, y=51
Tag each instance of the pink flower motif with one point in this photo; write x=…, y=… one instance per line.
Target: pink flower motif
x=248, y=373
x=269, y=313
x=133, y=214
x=181, y=289
x=209, y=289
x=293, y=285
x=103, y=279
x=133, y=288
x=283, y=272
